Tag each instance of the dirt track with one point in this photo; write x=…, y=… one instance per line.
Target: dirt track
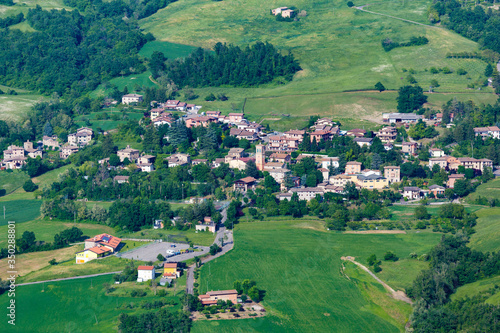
x=399, y=295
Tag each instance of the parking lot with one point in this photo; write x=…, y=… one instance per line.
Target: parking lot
x=151, y=251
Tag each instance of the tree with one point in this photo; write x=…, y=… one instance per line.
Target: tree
x=108, y=146
x=160, y=257
x=53, y=261
x=390, y=256
x=251, y=170
x=372, y=260
x=210, y=97
x=157, y=63
x=29, y=186
x=27, y=240
x=488, y=71
x=379, y=86
x=270, y=183
x=410, y=98
x=214, y=249
x=114, y=160
x=376, y=161
x=47, y=129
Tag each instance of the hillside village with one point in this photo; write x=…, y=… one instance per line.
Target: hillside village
x=218, y=166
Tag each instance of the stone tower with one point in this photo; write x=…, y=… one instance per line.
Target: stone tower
x=260, y=156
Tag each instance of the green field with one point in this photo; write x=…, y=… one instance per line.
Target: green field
x=46, y=229
x=19, y=211
x=299, y=267
x=472, y=289
x=170, y=50
x=338, y=48
x=72, y=306
x=11, y=181
x=487, y=230
x=200, y=238
x=489, y=190
x=16, y=107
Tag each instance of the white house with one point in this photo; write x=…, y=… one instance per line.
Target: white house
x=333, y=161
x=131, y=98
x=145, y=273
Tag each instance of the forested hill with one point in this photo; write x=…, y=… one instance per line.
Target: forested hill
x=72, y=53
x=476, y=24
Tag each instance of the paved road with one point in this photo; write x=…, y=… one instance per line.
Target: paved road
x=228, y=243
x=68, y=278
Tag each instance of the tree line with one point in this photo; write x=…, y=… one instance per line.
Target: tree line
x=454, y=264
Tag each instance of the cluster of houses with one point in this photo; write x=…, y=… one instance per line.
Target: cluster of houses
x=15, y=157
x=98, y=247
x=170, y=272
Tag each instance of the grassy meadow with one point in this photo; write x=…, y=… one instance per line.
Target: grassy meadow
x=478, y=287
x=19, y=211
x=490, y=190
x=299, y=266
x=74, y=306
x=11, y=181
x=46, y=229
x=339, y=49
x=487, y=230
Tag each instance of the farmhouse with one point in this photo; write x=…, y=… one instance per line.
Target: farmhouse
x=145, y=273
x=485, y=132
x=244, y=184
x=67, y=150
x=409, y=147
x=121, y=179
x=206, y=226
x=178, y=160
x=131, y=98
x=145, y=163
x=307, y=193
x=436, y=190
x=81, y=138
x=130, y=153
x=412, y=193
x=211, y=297
x=50, y=141
x=453, y=178
x=280, y=157
x=98, y=246
x=363, y=141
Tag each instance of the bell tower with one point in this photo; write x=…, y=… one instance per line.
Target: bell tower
x=260, y=156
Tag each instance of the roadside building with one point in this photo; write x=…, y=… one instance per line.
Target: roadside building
x=212, y=297
x=145, y=273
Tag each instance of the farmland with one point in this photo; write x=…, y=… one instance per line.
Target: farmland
x=299, y=269
x=20, y=211
x=77, y=306
x=487, y=230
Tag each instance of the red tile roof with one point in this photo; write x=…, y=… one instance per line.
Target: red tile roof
x=145, y=268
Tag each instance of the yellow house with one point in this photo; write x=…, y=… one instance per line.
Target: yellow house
x=170, y=270
x=90, y=254
x=372, y=182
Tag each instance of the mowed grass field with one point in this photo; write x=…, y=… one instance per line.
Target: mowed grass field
x=46, y=229
x=299, y=266
x=477, y=287
x=487, y=234
x=19, y=211
x=339, y=49
x=72, y=306
x=489, y=190
x=11, y=181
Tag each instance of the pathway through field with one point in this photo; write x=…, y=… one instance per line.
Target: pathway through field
x=361, y=8
x=399, y=295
